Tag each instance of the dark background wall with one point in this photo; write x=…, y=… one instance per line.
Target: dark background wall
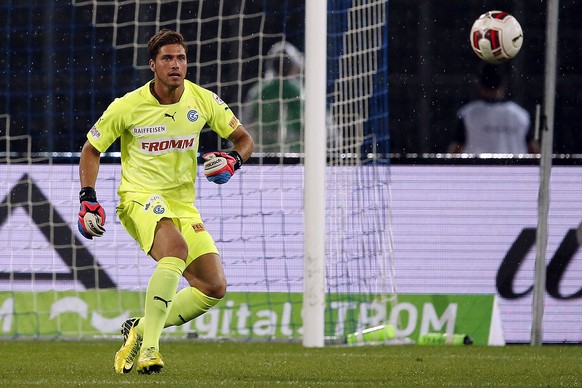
x=62, y=64
x=433, y=69
x=59, y=72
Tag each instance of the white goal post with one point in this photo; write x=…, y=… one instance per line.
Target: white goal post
x=545, y=172
x=349, y=193
x=314, y=176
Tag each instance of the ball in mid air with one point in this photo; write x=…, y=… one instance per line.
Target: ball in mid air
x=496, y=37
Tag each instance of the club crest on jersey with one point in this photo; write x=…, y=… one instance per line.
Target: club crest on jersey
x=154, y=198
x=218, y=99
x=159, y=209
x=193, y=115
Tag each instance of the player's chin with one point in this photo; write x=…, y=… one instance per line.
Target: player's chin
x=175, y=80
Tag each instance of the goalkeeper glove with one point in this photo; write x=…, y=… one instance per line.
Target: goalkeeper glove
x=91, y=214
x=219, y=167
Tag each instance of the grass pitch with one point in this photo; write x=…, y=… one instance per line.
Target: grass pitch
x=195, y=364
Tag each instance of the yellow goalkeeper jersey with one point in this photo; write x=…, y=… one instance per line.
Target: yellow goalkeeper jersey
x=159, y=143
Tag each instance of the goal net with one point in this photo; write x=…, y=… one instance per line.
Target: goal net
x=250, y=53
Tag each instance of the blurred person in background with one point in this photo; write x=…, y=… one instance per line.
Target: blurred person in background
x=273, y=107
x=493, y=123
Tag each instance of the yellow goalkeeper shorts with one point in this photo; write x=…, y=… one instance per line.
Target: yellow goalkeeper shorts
x=140, y=215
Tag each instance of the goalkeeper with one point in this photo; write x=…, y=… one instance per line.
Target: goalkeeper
x=159, y=125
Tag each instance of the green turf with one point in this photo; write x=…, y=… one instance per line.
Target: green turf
x=193, y=364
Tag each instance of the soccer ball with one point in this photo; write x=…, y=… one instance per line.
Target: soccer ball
x=496, y=37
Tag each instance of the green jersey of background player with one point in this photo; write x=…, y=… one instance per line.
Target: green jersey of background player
x=159, y=126
x=274, y=106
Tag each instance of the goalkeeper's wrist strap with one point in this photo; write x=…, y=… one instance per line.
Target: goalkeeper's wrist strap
x=239, y=162
x=87, y=194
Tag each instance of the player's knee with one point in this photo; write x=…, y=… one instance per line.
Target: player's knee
x=217, y=289
x=211, y=286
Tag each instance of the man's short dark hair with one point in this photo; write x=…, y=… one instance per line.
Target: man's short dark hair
x=492, y=76
x=163, y=38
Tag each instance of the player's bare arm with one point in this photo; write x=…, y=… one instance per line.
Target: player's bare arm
x=243, y=142
x=89, y=165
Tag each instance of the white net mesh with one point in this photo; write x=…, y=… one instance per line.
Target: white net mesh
x=76, y=287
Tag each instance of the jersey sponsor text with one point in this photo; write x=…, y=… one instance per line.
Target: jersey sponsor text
x=95, y=132
x=153, y=129
x=165, y=145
